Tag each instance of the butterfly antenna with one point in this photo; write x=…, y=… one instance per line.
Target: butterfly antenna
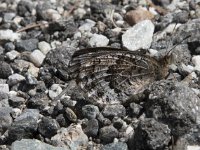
x=170, y=50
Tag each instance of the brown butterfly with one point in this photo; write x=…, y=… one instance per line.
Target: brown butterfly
x=110, y=75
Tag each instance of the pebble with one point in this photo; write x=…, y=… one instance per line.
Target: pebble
x=92, y=128
x=53, y=14
x=54, y=91
x=71, y=137
x=70, y=115
x=12, y=54
x=98, y=40
x=5, y=70
x=37, y=58
x=48, y=127
x=139, y=36
x=15, y=78
x=6, y=119
x=44, y=47
x=30, y=79
x=27, y=45
x=16, y=112
x=16, y=102
x=135, y=16
x=33, y=70
x=7, y=17
x=29, y=113
x=90, y=111
x=86, y=27
x=114, y=110
x=9, y=46
x=107, y=134
x=9, y=35
x=196, y=62
x=4, y=88
x=30, y=144
x=115, y=146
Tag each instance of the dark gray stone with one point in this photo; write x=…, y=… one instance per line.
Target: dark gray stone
x=90, y=111
x=5, y=70
x=24, y=8
x=27, y=45
x=31, y=80
x=114, y=110
x=25, y=128
x=9, y=46
x=48, y=127
x=136, y=109
x=31, y=144
x=16, y=101
x=5, y=119
x=115, y=146
x=117, y=123
x=92, y=128
x=107, y=134
x=150, y=134
x=173, y=104
x=181, y=17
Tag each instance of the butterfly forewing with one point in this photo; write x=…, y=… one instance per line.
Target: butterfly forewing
x=111, y=75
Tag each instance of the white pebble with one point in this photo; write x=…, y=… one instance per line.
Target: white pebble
x=139, y=36
x=4, y=88
x=196, y=60
x=44, y=47
x=87, y=26
x=12, y=54
x=54, y=91
x=9, y=35
x=37, y=57
x=98, y=40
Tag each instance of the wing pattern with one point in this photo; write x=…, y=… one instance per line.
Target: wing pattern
x=109, y=75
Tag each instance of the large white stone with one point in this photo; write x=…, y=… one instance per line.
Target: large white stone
x=139, y=36
x=98, y=40
x=37, y=57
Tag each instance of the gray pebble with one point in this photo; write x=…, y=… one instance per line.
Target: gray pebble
x=12, y=54
x=37, y=58
x=15, y=78
x=27, y=45
x=5, y=70
x=90, y=111
x=115, y=146
x=4, y=88
x=114, y=110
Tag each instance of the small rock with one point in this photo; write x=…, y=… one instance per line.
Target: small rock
x=98, y=40
x=54, y=91
x=15, y=78
x=67, y=102
x=70, y=138
x=29, y=113
x=87, y=26
x=9, y=35
x=16, y=101
x=196, y=60
x=20, y=65
x=44, y=47
x=115, y=146
x=107, y=134
x=92, y=128
x=24, y=8
x=185, y=70
x=70, y=114
x=37, y=58
x=4, y=88
x=27, y=45
x=140, y=14
x=30, y=144
x=31, y=80
x=150, y=134
x=90, y=111
x=33, y=70
x=139, y=36
x=7, y=17
x=16, y=112
x=52, y=14
x=6, y=119
x=9, y=46
x=114, y=110
x=48, y=127
x=136, y=109
x=5, y=70
x=12, y=54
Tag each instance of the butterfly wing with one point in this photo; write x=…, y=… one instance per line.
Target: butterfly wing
x=110, y=75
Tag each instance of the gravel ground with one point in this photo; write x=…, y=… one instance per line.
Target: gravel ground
x=37, y=41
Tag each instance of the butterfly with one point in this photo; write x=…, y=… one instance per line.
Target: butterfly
x=110, y=75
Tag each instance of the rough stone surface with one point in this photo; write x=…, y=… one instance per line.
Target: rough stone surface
x=92, y=128
x=9, y=35
x=70, y=138
x=5, y=70
x=48, y=127
x=108, y=133
x=114, y=110
x=5, y=119
x=90, y=111
x=115, y=146
x=15, y=78
x=4, y=88
x=44, y=47
x=139, y=36
x=173, y=104
x=27, y=45
x=30, y=144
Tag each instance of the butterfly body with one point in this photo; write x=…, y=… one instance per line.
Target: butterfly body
x=109, y=75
